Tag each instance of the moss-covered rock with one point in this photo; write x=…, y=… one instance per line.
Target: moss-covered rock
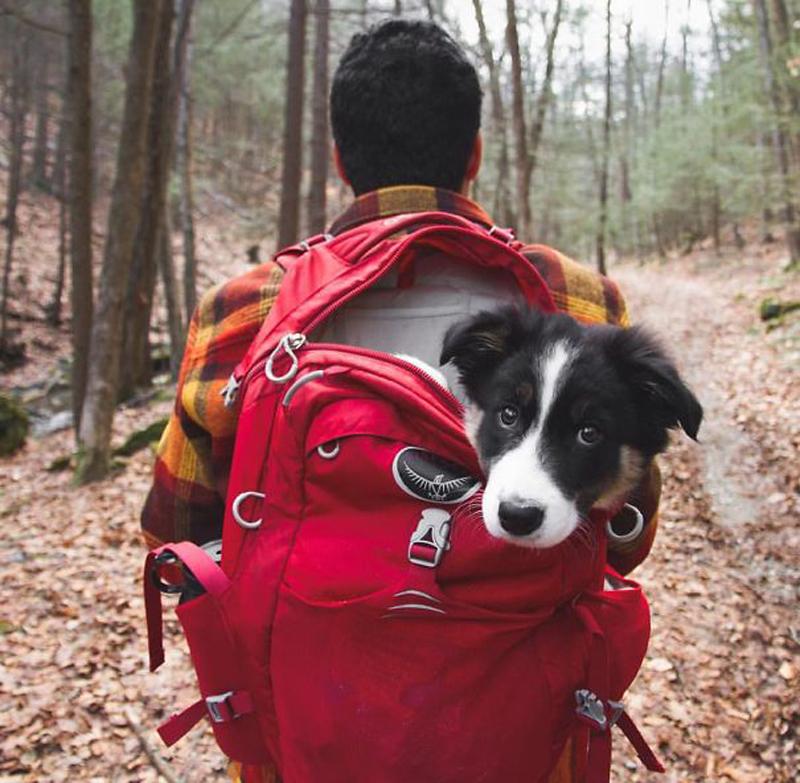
x=13, y=425
x=141, y=439
x=772, y=308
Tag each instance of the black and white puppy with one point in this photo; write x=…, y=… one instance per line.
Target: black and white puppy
x=564, y=417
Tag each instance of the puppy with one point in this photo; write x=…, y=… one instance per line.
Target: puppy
x=564, y=417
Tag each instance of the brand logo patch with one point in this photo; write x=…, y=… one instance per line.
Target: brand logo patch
x=427, y=476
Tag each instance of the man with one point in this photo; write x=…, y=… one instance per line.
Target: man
x=405, y=110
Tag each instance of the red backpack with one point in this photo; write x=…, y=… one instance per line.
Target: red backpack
x=362, y=624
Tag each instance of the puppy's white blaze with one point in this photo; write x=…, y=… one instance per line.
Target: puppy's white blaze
x=520, y=475
x=473, y=416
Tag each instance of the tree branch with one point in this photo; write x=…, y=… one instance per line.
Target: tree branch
x=7, y=10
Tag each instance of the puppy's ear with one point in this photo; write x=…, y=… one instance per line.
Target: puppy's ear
x=478, y=344
x=662, y=398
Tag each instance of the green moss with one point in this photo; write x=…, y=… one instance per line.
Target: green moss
x=14, y=426
x=141, y=439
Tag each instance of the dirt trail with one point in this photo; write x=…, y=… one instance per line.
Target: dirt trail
x=719, y=688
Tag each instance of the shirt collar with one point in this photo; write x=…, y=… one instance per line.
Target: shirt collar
x=403, y=199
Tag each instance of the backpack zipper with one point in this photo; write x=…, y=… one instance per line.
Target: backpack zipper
x=452, y=401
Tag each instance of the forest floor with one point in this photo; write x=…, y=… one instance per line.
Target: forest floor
x=718, y=692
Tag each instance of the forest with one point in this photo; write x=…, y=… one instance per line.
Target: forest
x=151, y=149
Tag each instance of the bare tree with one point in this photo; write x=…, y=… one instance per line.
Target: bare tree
x=626, y=193
x=137, y=368
x=780, y=141
x=18, y=110
x=518, y=116
x=527, y=148
x=169, y=280
x=40, y=140
x=545, y=96
x=320, y=149
x=502, y=201
x=183, y=59
x=783, y=26
x=53, y=308
x=78, y=120
x=104, y=359
x=716, y=198
x=662, y=64
x=603, y=219
x=289, y=219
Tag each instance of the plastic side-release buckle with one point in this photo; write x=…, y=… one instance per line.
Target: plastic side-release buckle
x=590, y=709
x=430, y=538
x=225, y=707
x=220, y=708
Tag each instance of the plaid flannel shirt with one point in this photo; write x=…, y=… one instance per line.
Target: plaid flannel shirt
x=187, y=499
x=194, y=455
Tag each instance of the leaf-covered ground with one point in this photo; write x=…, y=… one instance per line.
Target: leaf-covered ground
x=718, y=694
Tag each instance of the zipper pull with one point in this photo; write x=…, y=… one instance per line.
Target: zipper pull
x=288, y=344
x=230, y=390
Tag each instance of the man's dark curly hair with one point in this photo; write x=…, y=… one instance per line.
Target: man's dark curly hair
x=405, y=107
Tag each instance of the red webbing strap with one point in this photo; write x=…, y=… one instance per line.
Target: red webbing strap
x=226, y=707
x=179, y=724
x=599, y=752
x=205, y=571
x=643, y=750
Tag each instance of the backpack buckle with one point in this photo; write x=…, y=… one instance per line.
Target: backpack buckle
x=219, y=710
x=430, y=538
x=590, y=708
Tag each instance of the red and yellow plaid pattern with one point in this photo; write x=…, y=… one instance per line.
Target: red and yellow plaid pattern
x=193, y=458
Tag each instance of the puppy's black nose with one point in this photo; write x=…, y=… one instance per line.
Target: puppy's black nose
x=520, y=520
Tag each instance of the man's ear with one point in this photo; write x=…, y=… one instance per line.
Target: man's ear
x=337, y=162
x=661, y=396
x=478, y=344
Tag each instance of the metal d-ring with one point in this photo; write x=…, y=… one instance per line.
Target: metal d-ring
x=240, y=520
x=329, y=453
x=633, y=533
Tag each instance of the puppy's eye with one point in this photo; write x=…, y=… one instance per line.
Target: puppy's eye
x=509, y=415
x=588, y=435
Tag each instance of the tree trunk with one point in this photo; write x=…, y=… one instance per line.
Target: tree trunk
x=39, y=164
x=720, y=99
x=170, y=283
x=57, y=172
x=545, y=95
x=18, y=111
x=137, y=368
x=522, y=181
x=288, y=222
x=320, y=150
x=626, y=192
x=78, y=120
x=54, y=307
x=601, y=229
x=779, y=136
x=126, y=201
x=662, y=64
x=686, y=79
x=398, y=8
x=184, y=156
x=501, y=207
x=790, y=85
